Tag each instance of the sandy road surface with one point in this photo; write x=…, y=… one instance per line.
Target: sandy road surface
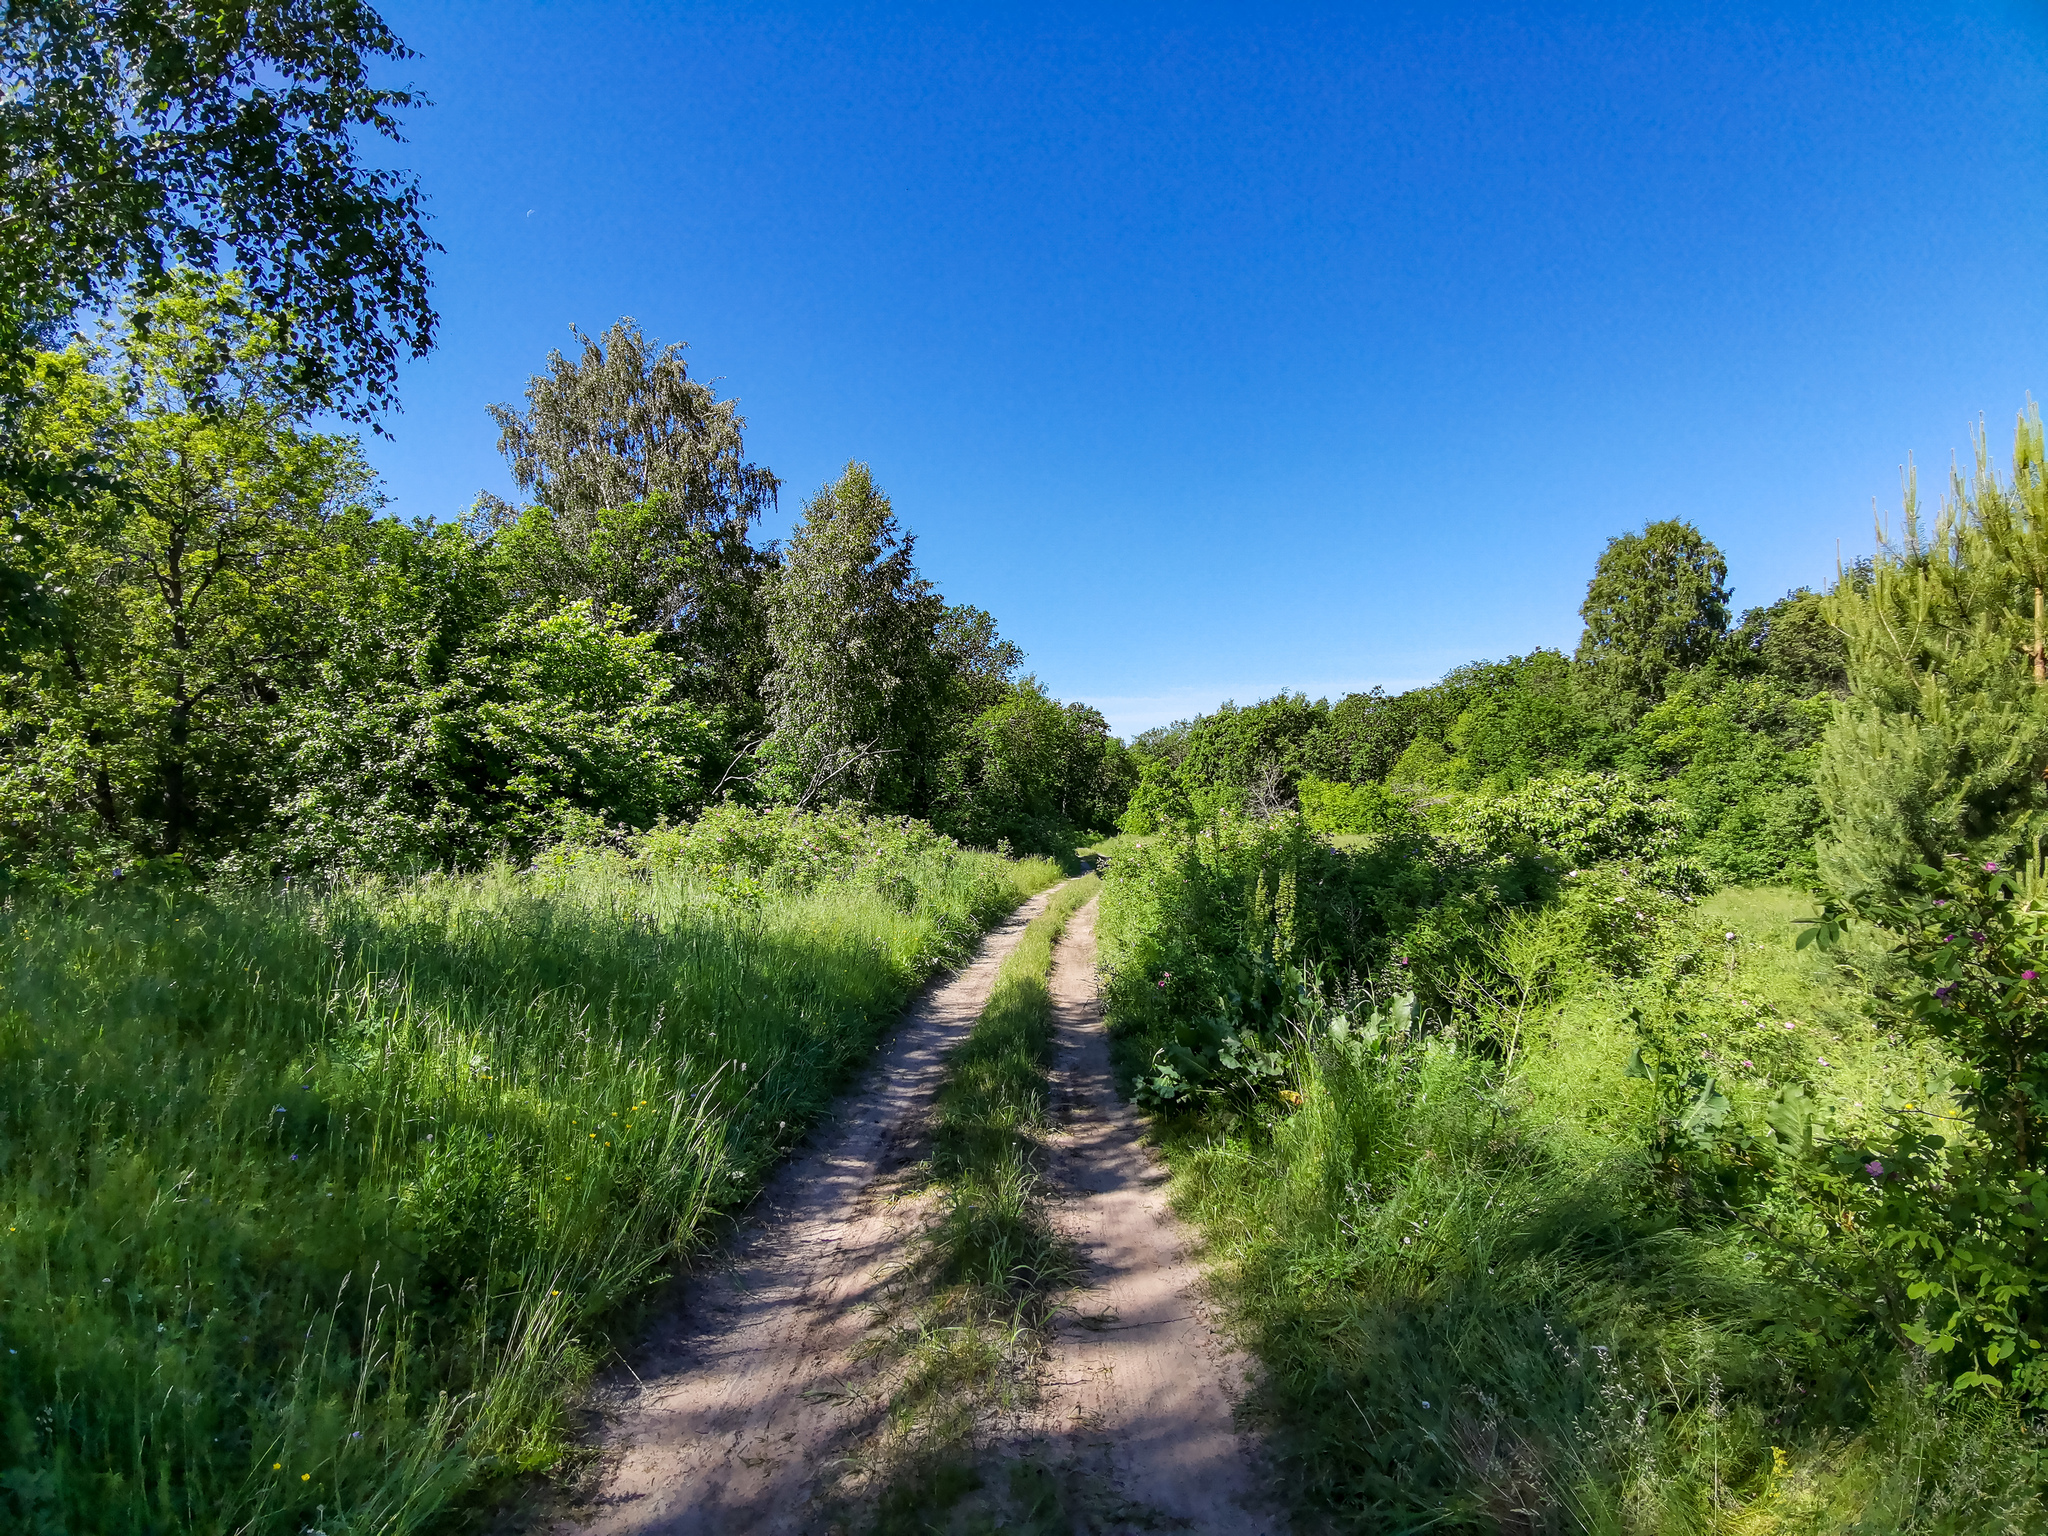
x=732, y=1419
x=731, y=1415
x=1139, y=1388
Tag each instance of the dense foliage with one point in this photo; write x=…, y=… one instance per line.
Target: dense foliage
x=1559, y=1191
x=245, y=668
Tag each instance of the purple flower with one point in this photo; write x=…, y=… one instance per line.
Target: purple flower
x=1991, y=866
x=1874, y=1168
x=1941, y=901
x=1747, y=1062
x=1943, y=992
x=1949, y=939
x=2029, y=976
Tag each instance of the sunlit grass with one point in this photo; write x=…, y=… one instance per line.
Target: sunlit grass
x=1481, y=1308
x=316, y=1203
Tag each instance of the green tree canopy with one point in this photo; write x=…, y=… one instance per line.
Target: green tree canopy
x=643, y=501
x=1657, y=604
x=859, y=689
x=193, y=588
x=138, y=137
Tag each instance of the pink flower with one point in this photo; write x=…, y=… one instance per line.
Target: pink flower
x=1991, y=866
x=1402, y=961
x=1747, y=1062
x=2029, y=976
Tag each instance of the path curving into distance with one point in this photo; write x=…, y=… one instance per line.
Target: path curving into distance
x=730, y=1421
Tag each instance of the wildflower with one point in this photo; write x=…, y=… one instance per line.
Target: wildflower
x=1402, y=961
x=1823, y=1061
x=1941, y=901
x=1942, y=993
x=305, y=1477
x=1991, y=866
x=1874, y=1168
x=1790, y=1026
x=277, y=1466
x=1425, y=1404
x=1747, y=1062
x=1729, y=937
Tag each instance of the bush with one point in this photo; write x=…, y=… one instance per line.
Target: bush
x=1368, y=810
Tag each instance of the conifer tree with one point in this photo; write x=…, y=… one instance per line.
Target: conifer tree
x=1941, y=745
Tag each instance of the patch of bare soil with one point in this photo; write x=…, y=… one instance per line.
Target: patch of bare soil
x=740, y=1401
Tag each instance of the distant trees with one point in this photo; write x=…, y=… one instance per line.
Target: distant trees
x=1657, y=605
x=1725, y=722
x=1033, y=772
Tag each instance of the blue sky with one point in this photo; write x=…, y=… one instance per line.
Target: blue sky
x=1219, y=351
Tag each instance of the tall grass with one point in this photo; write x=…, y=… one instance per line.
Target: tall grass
x=316, y=1203
x=1484, y=1300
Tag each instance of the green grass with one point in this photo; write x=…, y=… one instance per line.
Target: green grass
x=988, y=1110
x=317, y=1205
x=1483, y=1305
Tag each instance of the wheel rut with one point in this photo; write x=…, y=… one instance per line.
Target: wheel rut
x=1140, y=1387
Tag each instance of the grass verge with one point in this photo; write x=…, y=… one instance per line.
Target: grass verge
x=1490, y=1293
x=315, y=1206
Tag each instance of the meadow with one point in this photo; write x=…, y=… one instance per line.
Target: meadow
x=322, y=1201
x=1514, y=1178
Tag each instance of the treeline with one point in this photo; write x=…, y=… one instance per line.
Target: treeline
x=230, y=661
x=1719, y=715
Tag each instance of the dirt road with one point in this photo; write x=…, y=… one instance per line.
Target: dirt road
x=728, y=1419
x=732, y=1419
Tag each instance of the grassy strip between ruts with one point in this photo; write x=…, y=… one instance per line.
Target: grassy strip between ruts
x=315, y=1207
x=961, y=1351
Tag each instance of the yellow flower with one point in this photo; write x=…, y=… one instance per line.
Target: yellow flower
x=305, y=1477
x=277, y=1466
